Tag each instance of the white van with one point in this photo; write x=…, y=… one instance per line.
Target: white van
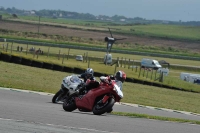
x=150, y=63
x=107, y=59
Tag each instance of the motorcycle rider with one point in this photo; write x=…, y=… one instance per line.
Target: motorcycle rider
x=119, y=78
x=88, y=75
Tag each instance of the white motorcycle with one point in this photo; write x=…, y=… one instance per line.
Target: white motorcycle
x=69, y=85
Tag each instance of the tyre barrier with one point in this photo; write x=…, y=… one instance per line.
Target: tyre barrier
x=57, y=67
x=47, y=65
x=78, y=70
x=5, y=57
x=26, y=62
x=129, y=80
x=16, y=59
x=68, y=69
x=36, y=64
x=33, y=63
x=97, y=74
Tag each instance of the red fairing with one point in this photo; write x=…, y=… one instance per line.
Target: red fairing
x=87, y=101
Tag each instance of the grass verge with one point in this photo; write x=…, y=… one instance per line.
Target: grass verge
x=134, y=115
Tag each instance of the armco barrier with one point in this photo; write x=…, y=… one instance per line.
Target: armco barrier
x=38, y=64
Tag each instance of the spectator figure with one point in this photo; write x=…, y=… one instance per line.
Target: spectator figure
x=38, y=51
x=21, y=49
x=17, y=48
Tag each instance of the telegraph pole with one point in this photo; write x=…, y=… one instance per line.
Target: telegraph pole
x=38, y=26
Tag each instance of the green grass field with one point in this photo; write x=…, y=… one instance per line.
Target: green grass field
x=37, y=79
x=191, y=33
x=172, y=79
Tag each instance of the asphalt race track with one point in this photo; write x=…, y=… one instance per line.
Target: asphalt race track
x=22, y=112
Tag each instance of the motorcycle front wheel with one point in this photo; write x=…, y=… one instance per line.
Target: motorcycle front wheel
x=101, y=108
x=69, y=104
x=56, y=97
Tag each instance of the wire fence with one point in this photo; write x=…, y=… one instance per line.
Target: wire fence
x=63, y=54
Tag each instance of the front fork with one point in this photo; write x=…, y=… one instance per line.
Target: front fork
x=64, y=94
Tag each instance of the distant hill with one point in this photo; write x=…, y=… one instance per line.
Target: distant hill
x=86, y=16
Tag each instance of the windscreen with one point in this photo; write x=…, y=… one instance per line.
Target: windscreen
x=75, y=79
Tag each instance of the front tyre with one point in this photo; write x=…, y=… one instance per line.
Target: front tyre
x=56, y=97
x=101, y=108
x=69, y=104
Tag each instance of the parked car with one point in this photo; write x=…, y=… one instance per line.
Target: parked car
x=79, y=57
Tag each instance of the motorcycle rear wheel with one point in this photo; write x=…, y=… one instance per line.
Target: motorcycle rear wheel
x=101, y=108
x=69, y=105
x=56, y=96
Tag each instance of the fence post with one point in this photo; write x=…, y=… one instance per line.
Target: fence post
x=3, y=47
x=7, y=47
x=151, y=73
x=132, y=65
x=86, y=56
x=26, y=49
x=129, y=64
x=116, y=64
x=11, y=47
x=63, y=58
x=59, y=55
x=125, y=63
x=121, y=61
x=139, y=72
x=143, y=72
x=48, y=52
x=37, y=54
x=155, y=74
x=83, y=57
x=147, y=73
x=68, y=54
x=88, y=62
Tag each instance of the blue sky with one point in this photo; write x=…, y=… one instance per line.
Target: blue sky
x=175, y=10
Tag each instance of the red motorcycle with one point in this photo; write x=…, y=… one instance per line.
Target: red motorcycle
x=98, y=100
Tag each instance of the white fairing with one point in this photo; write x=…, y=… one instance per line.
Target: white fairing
x=118, y=90
x=71, y=82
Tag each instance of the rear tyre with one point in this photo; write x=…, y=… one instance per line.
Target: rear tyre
x=55, y=98
x=101, y=108
x=69, y=104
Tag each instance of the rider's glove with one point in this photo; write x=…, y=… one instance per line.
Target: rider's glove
x=105, y=79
